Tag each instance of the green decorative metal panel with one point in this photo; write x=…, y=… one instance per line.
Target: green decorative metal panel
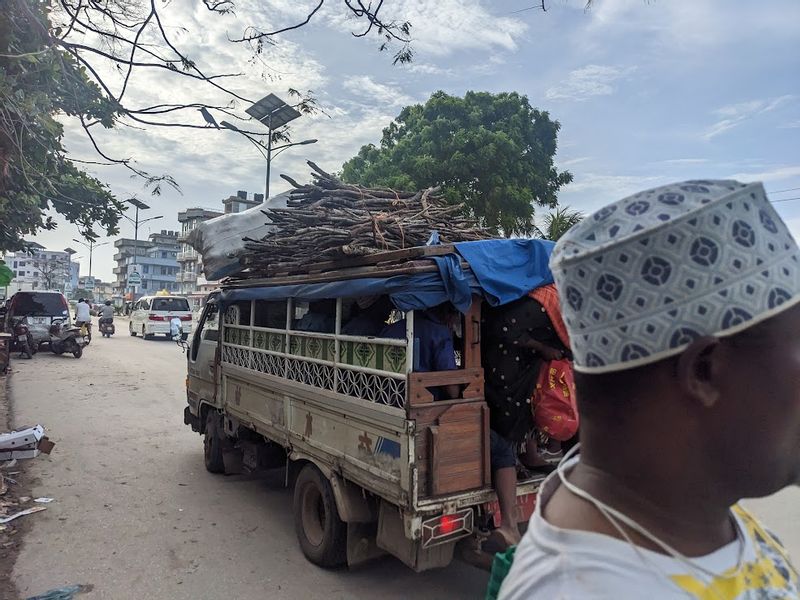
x=264, y=340
x=237, y=336
x=312, y=347
x=374, y=356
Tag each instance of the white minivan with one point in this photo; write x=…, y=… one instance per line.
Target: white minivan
x=151, y=315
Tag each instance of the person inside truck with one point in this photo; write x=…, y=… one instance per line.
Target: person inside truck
x=683, y=309
x=433, y=330
x=320, y=318
x=370, y=318
x=517, y=339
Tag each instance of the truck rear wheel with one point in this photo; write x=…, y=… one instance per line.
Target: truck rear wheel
x=212, y=444
x=322, y=534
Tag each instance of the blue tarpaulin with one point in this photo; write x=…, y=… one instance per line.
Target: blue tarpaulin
x=501, y=271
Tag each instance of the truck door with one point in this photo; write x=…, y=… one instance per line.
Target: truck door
x=202, y=384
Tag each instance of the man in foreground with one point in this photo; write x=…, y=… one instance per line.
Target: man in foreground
x=683, y=308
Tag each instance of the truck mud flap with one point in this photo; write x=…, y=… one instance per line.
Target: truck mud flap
x=190, y=419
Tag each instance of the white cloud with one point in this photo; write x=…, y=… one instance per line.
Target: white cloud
x=380, y=93
x=684, y=161
x=734, y=115
x=590, y=191
x=444, y=27
x=588, y=81
x=790, y=125
x=773, y=174
x=427, y=69
x=571, y=162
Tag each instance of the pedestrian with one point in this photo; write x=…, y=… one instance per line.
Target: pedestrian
x=681, y=304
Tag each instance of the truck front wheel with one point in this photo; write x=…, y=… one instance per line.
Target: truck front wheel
x=322, y=534
x=212, y=443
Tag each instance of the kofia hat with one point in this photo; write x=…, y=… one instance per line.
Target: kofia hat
x=642, y=278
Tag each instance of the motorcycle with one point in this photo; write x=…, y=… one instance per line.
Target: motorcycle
x=176, y=332
x=106, y=327
x=66, y=339
x=23, y=339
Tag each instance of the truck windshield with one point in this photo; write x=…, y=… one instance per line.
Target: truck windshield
x=170, y=304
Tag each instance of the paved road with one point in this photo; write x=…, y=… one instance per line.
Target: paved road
x=137, y=516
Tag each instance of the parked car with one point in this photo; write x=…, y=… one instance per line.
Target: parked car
x=151, y=315
x=41, y=308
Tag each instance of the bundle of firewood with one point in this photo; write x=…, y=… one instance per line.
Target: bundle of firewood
x=329, y=219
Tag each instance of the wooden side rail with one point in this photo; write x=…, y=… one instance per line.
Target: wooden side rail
x=418, y=384
x=452, y=447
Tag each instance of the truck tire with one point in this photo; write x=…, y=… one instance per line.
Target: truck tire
x=212, y=444
x=320, y=531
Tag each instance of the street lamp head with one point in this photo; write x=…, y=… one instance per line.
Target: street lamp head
x=230, y=126
x=137, y=203
x=306, y=142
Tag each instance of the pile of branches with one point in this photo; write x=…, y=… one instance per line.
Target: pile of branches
x=329, y=219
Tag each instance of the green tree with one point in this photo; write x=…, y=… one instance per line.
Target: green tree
x=492, y=152
x=558, y=221
x=53, y=57
x=35, y=174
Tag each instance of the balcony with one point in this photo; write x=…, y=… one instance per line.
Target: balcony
x=186, y=277
x=188, y=256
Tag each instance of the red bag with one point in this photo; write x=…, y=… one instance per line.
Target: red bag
x=555, y=411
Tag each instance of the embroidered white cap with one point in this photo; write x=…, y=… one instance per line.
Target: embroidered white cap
x=643, y=277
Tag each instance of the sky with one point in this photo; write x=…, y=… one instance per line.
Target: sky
x=647, y=92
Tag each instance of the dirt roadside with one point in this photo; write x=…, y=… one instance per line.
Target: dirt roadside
x=10, y=533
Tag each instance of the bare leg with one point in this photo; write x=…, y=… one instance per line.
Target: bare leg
x=505, y=484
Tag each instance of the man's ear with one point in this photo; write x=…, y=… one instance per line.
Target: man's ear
x=698, y=370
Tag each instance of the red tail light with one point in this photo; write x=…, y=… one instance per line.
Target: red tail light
x=448, y=524
x=186, y=317
x=447, y=528
x=153, y=317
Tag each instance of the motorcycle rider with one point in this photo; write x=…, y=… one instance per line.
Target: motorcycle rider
x=106, y=313
x=83, y=316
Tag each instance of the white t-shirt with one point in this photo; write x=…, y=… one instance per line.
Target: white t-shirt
x=554, y=564
x=82, y=312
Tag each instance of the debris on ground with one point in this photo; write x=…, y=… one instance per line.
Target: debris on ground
x=64, y=593
x=24, y=443
x=22, y=513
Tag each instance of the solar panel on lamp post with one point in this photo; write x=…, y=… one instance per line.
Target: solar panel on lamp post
x=274, y=113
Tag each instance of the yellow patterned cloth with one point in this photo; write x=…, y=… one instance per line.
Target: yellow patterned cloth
x=768, y=575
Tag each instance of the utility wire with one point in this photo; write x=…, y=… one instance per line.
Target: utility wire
x=785, y=199
x=786, y=190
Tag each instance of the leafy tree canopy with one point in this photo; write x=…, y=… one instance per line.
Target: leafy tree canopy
x=492, y=152
x=54, y=62
x=35, y=174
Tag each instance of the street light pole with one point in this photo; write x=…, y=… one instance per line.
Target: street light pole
x=90, y=246
x=269, y=154
x=137, y=205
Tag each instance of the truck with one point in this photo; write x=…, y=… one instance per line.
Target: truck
x=377, y=464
